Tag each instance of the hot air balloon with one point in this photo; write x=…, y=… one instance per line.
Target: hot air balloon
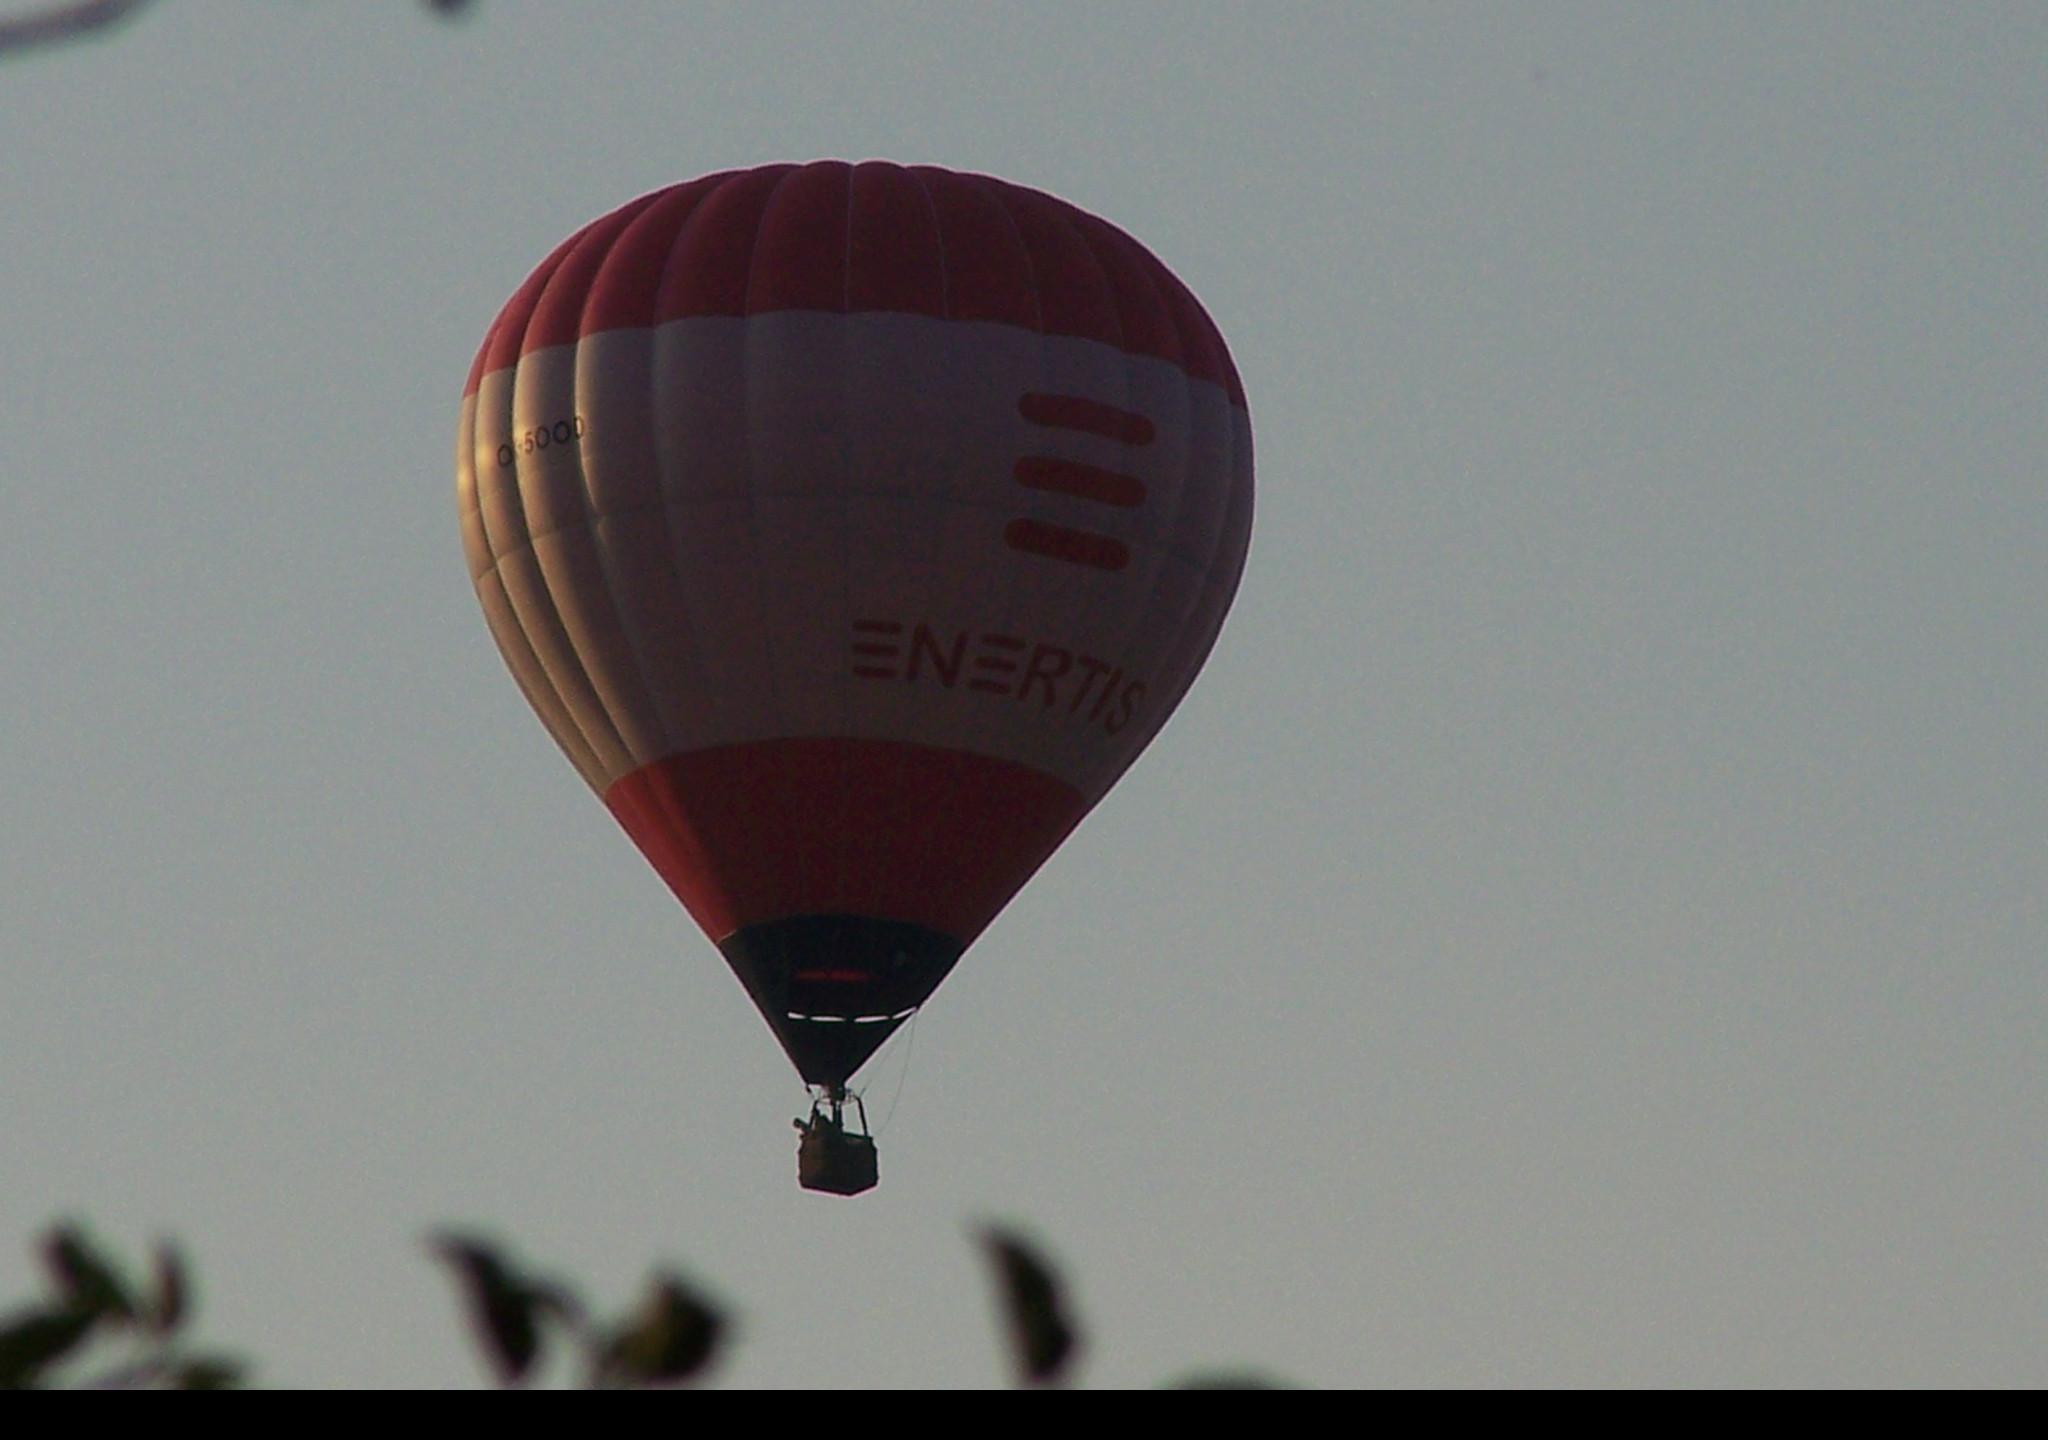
x=852, y=528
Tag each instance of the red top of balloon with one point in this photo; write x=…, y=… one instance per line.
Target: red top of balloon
x=917, y=240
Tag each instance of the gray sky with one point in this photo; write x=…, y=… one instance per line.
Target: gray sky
x=1585, y=926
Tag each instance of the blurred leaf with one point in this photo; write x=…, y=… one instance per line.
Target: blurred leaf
x=89, y=1281
x=504, y=1306
x=167, y=1306
x=33, y=1343
x=1041, y=1334
x=207, y=1372
x=671, y=1340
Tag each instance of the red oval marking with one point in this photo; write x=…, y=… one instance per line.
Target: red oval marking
x=1083, y=482
x=1078, y=412
x=1057, y=542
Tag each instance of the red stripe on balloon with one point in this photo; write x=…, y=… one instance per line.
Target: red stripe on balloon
x=1057, y=542
x=1083, y=482
x=750, y=833
x=1078, y=412
x=831, y=237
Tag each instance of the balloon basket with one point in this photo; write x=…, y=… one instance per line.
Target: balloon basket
x=829, y=1157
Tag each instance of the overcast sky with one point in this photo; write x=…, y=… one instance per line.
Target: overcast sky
x=1586, y=926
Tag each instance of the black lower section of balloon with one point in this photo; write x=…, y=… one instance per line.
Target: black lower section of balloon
x=834, y=987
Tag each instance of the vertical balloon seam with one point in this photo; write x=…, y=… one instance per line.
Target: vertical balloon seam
x=906, y=756
x=671, y=719
x=548, y=604
x=559, y=308
x=670, y=706
x=501, y=619
x=528, y=589
x=747, y=820
x=502, y=351
x=506, y=548
x=636, y=686
x=840, y=803
x=614, y=547
x=516, y=312
x=1014, y=562
x=1036, y=205
x=898, y=756
x=872, y=902
x=820, y=863
x=1059, y=217
x=708, y=214
x=993, y=191
x=902, y=756
x=1052, y=212
x=1041, y=207
x=1213, y=600
x=777, y=706
x=595, y=616
x=705, y=213
x=1063, y=219
x=843, y=802
x=1190, y=640
x=527, y=672
x=530, y=673
x=1213, y=597
x=1172, y=654
x=1202, y=625
x=1098, y=236
x=514, y=648
x=1154, y=617
x=673, y=518
x=934, y=819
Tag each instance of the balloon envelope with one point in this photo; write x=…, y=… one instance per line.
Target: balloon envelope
x=852, y=528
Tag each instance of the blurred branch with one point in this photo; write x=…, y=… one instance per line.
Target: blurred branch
x=65, y=22
x=82, y=18
x=91, y=1299
x=670, y=1340
x=134, y=1329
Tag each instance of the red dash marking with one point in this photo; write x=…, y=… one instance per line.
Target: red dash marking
x=1077, y=412
x=852, y=977
x=865, y=647
x=1083, y=482
x=1057, y=542
x=879, y=627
